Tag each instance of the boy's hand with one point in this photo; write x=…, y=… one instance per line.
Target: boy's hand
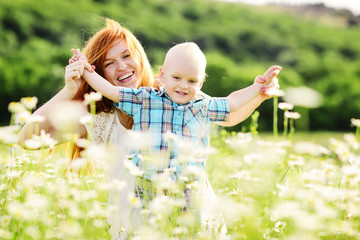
x=269, y=83
x=271, y=73
x=77, y=56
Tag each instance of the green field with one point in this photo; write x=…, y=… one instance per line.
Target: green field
x=269, y=188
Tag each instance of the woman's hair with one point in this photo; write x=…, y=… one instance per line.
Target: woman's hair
x=95, y=50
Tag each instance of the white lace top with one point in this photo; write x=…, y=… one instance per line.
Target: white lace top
x=108, y=129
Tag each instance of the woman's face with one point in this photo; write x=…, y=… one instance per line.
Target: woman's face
x=119, y=68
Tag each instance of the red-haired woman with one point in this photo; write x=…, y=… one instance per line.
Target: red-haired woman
x=119, y=57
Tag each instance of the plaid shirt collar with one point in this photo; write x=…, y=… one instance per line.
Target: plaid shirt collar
x=199, y=96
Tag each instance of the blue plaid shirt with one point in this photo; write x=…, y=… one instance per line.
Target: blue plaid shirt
x=179, y=134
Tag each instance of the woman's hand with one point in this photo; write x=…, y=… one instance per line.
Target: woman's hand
x=73, y=72
x=73, y=81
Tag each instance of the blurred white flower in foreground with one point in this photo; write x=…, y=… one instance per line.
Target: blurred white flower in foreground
x=355, y=122
x=253, y=157
x=351, y=140
x=9, y=134
x=286, y=106
x=36, y=202
x=4, y=221
x=148, y=233
x=16, y=107
x=160, y=206
x=19, y=211
x=234, y=210
x=292, y=115
x=5, y=234
x=93, y=96
x=296, y=161
x=138, y=140
x=69, y=229
x=33, y=232
x=134, y=170
x=341, y=149
x=240, y=140
x=273, y=92
x=86, y=119
x=83, y=142
x=44, y=140
x=29, y=102
x=303, y=96
x=134, y=201
x=36, y=118
x=305, y=221
x=305, y=147
x=22, y=117
x=67, y=122
x=279, y=226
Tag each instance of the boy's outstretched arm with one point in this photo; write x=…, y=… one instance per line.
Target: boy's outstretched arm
x=241, y=114
x=242, y=97
x=101, y=85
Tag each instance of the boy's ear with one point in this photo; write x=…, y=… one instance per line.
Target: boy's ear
x=161, y=74
x=201, y=83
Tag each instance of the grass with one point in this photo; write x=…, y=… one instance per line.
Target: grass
x=319, y=137
x=303, y=187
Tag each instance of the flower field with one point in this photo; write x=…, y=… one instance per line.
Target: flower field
x=269, y=187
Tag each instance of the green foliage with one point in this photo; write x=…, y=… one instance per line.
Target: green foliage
x=240, y=42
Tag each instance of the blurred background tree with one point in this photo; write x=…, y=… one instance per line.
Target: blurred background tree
x=240, y=42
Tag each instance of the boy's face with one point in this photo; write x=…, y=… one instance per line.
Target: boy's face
x=182, y=79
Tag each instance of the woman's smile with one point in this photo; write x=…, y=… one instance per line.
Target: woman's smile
x=126, y=77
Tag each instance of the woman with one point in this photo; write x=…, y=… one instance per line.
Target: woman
x=118, y=57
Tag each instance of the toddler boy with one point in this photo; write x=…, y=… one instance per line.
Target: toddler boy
x=179, y=109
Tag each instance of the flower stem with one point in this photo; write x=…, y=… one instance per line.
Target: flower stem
x=12, y=119
x=286, y=123
x=282, y=178
x=292, y=128
x=275, y=117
